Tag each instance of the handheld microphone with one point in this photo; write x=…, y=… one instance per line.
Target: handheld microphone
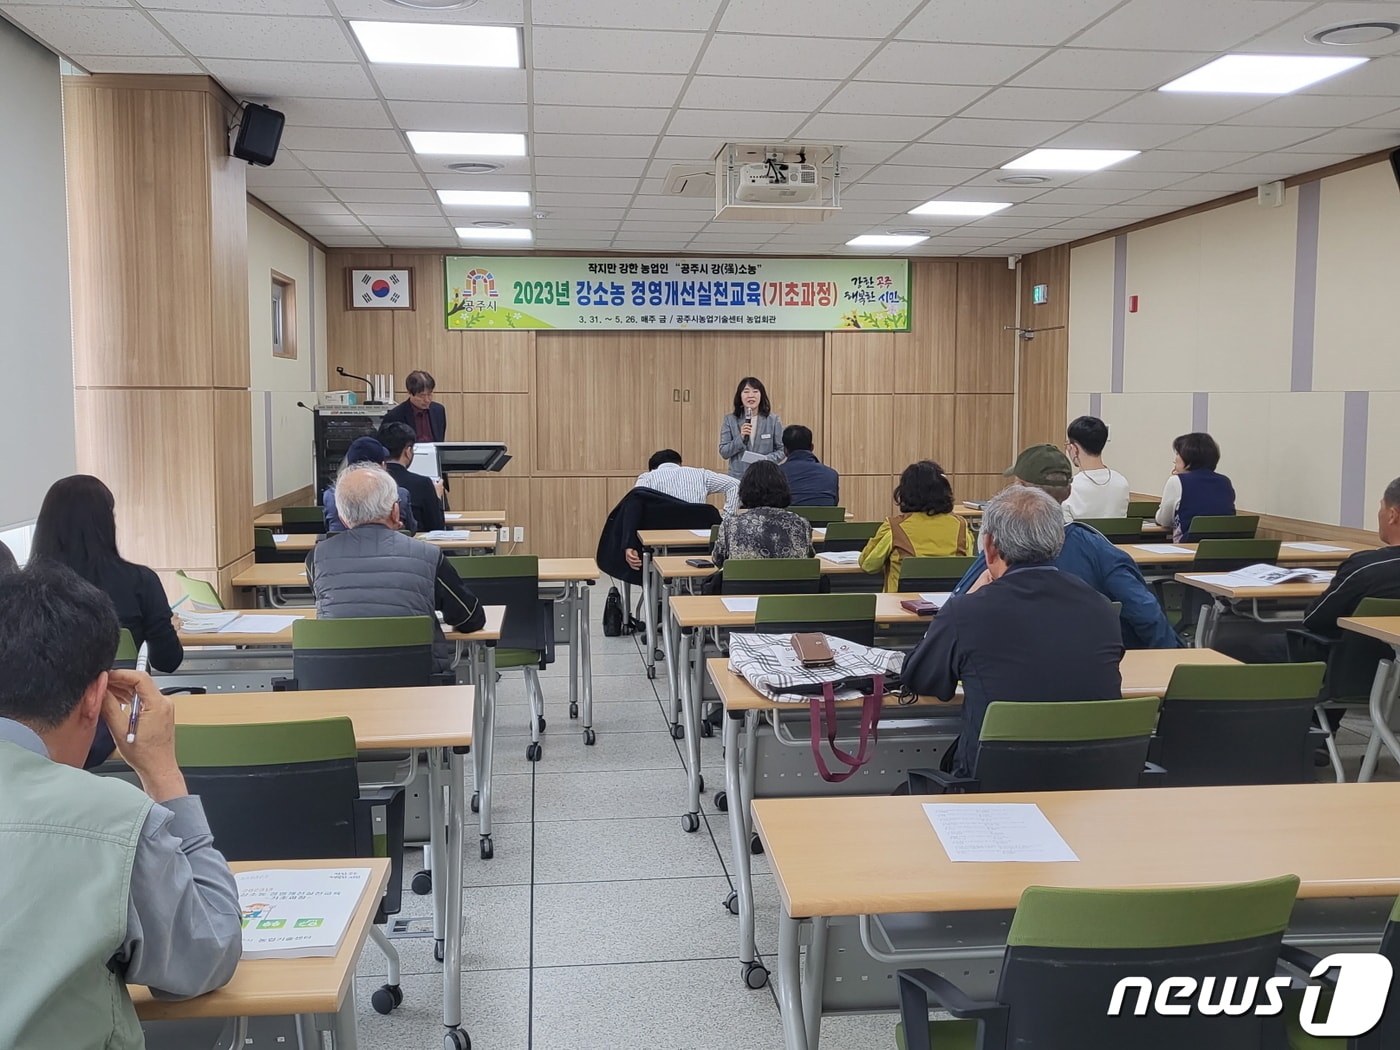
x=748, y=418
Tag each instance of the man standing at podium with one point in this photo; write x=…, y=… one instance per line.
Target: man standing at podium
x=427, y=418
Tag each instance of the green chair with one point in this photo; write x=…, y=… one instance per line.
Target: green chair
x=1143, y=508
x=527, y=632
x=771, y=576
x=931, y=575
x=848, y=535
x=1069, y=746
x=289, y=791
x=372, y=652
x=1068, y=950
x=849, y=616
x=820, y=516
x=1221, y=555
x=125, y=660
x=303, y=519
x=1222, y=527
x=266, y=551
x=1239, y=724
x=1116, y=530
x=201, y=595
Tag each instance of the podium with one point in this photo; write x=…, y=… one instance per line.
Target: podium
x=434, y=459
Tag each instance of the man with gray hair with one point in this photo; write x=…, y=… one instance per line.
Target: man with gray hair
x=1038, y=634
x=372, y=569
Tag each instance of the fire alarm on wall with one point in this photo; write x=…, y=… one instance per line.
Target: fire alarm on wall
x=1132, y=304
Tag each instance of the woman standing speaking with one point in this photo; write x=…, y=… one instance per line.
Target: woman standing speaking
x=752, y=431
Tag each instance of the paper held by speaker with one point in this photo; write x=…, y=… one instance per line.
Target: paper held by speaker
x=258, y=133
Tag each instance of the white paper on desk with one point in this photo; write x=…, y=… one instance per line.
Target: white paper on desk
x=841, y=557
x=700, y=532
x=1264, y=576
x=206, y=623
x=741, y=604
x=297, y=913
x=452, y=515
x=1316, y=548
x=1163, y=548
x=279, y=538
x=259, y=625
x=442, y=534
x=997, y=832
x=938, y=598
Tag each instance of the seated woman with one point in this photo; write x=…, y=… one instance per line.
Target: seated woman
x=925, y=526
x=1194, y=487
x=78, y=528
x=763, y=527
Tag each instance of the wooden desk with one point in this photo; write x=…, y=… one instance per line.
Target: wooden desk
x=1225, y=596
x=673, y=567
x=1384, y=690
x=836, y=856
x=1286, y=556
x=281, y=987
x=303, y=542
x=455, y=519
x=495, y=615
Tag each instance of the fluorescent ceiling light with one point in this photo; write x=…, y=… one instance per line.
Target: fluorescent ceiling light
x=974, y=209
x=486, y=198
x=428, y=44
x=885, y=240
x=1262, y=74
x=1070, y=159
x=467, y=143
x=506, y=233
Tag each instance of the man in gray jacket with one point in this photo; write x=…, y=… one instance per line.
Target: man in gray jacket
x=374, y=570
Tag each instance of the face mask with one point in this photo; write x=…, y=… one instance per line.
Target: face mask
x=981, y=543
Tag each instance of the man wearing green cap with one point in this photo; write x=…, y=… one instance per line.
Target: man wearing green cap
x=1088, y=555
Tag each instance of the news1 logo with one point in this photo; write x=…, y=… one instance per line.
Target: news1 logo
x=1355, y=1006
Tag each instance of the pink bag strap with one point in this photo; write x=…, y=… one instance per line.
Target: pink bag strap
x=823, y=709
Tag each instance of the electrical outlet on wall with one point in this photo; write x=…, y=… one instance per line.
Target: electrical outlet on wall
x=520, y=534
x=503, y=534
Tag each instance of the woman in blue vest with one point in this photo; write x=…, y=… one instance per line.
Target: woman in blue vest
x=1194, y=488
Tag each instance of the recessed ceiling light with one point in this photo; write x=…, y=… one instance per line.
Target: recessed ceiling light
x=490, y=224
x=1262, y=74
x=886, y=240
x=1070, y=159
x=1353, y=33
x=969, y=209
x=507, y=233
x=434, y=5
x=473, y=167
x=910, y=233
x=1024, y=180
x=467, y=143
x=432, y=44
x=486, y=198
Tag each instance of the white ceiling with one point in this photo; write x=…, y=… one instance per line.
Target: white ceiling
x=928, y=97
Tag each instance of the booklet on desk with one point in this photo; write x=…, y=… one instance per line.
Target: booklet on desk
x=1265, y=576
x=297, y=913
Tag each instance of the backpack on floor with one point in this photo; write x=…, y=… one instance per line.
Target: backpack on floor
x=612, y=614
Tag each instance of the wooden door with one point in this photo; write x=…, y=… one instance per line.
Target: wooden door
x=791, y=366
x=604, y=402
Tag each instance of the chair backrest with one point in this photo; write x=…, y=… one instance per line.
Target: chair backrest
x=1222, y=527
x=1386, y=1034
x=848, y=616
x=372, y=652
x=1238, y=724
x=265, y=549
x=848, y=535
x=1116, y=530
x=201, y=595
x=1070, y=746
x=1352, y=659
x=772, y=576
x=678, y=515
x=303, y=519
x=1068, y=949
x=1143, y=508
x=820, y=515
x=513, y=581
x=127, y=649
x=1229, y=555
x=929, y=575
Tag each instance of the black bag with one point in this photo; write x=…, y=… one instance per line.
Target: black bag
x=612, y=614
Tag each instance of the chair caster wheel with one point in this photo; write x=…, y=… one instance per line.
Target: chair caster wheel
x=423, y=883
x=690, y=822
x=732, y=903
x=755, y=843
x=722, y=801
x=487, y=849
x=437, y=950
x=476, y=802
x=385, y=998
x=755, y=975
x=589, y=737
x=542, y=723
x=456, y=1039
x=573, y=710
x=677, y=731
x=533, y=753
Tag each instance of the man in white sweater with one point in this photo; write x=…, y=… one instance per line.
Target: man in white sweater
x=1097, y=491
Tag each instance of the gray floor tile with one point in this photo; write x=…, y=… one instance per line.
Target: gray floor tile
x=652, y=1006
x=497, y=924
x=511, y=788
x=509, y=867
x=858, y=1032
x=621, y=922
x=609, y=716
x=613, y=751
x=598, y=850
x=611, y=794
x=604, y=664
x=495, y=1012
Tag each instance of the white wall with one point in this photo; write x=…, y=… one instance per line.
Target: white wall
x=36, y=351
x=1275, y=324
x=282, y=432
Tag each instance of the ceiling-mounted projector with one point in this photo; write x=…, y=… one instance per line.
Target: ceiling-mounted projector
x=777, y=183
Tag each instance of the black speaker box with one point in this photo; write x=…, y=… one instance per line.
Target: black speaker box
x=259, y=133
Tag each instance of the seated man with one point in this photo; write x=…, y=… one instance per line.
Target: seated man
x=374, y=570
x=1033, y=634
x=366, y=450
x=813, y=483
x=106, y=884
x=665, y=473
x=424, y=494
x=1088, y=555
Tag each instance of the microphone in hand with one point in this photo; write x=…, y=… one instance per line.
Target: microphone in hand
x=748, y=426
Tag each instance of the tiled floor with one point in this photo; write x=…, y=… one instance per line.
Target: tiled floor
x=600, y=924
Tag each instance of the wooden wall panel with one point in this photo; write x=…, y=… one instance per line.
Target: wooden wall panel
x=925, y=358
x=1043, y=384
x=860, y=362
x=495, y=417
x=978, y=486
x=420, y=339
x=233, y=473
x=868, y=496
x=495, y=492
x=983, y=442
x=859, y=433
x=498, y=362
x=986, y=304
x=925, y=427
x=570, y=512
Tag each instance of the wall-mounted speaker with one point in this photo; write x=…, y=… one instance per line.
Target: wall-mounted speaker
x=259, y=133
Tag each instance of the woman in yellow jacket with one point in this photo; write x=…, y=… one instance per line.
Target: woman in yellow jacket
x=926, y=526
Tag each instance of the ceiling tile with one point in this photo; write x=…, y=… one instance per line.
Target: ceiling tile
x=729, y=126
x=601, y=120
x=611, y=166
x=916, y=175
x=614, y=50
x=1185, y=25
x=326, y=160
x=307, y=8
x=1010, y=103
x=1270, y=166
x=552, y=200
x=258, y=36
x=1243, y=137
x=293, y=194
x=843, y=127
x=909, y=63
x=954, y=156
x=1377, y=77
x=369, y=140
x=93, y=31
x=388, y=196
x=511, y=12
x=376, y=221
x=314, y=210
x=625, y=14
x=379, y=210
x=279, y=80
x=584, y=184
x=1318, y=111
x=746, y=93
x=512, y=176
x=1181, y=160
x=1075, y=67
x=257, y=176
x=592, y=145
x=1356, y=141
x=335, y=113
x=328, y=219
x=851, y=19
x=445, y=84
x=1072, y=195
x=129, y=64
x=626, y=90
x=1175, y=198
x=1110, y=135
x=1284, y=39
x=384, y=180
x=729, y=55
x=1006, y=21
x=965, y=131
x=1217, y=185
x=1117, y=179
x=903, y=99
x=453, y=116
x=1170, y=107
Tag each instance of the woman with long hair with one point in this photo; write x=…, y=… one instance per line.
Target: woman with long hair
x=752, y=430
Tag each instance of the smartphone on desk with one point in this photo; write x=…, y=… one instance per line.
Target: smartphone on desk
x=700, y=563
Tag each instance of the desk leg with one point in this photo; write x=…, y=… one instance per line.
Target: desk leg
x=486, y=746
x=753, y=972
x=437, y=829
x=345, y=1035
x=690, y=700
x=648, y=615
x=1206, y=623
x=790, y=982
x=815, y=983
x=571, y=603
x=669, y=632
x=1383, y=690
x=585, y=636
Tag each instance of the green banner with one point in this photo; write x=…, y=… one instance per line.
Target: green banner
x=709, y=294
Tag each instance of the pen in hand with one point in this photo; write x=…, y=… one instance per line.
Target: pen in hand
x=131, y=722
